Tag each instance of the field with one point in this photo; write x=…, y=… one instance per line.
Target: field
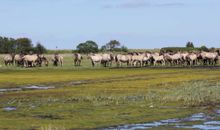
x=88, y=98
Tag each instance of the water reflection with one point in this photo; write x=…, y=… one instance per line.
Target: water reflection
x=197, y=121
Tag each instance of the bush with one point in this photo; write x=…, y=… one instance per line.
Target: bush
x=40, y=49
x=204, y=48
x=189, y=45
x=181, y=49
x=87, y=47
x=20, y=45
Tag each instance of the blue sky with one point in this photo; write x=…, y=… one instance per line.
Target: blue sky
x=135, y=23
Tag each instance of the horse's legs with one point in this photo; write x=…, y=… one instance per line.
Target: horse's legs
x=141, y=63
x=155, y=63
x=79, y=62
x=93, y=64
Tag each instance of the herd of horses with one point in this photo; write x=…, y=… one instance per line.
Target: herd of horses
x=31, y=60
x=157, y=59
x=130, y=59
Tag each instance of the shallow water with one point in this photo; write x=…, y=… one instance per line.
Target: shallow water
x=26, y=88
x=198, y=121
x=10, y=89
x=38, y=87
x=9, y=108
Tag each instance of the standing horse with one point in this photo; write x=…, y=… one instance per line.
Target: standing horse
x=77, y=59
x=107, y=59
x=95, y=58
x=57, y=59
x=18, y=60
x=30, y=60
x=9, y=59
x=119, y=59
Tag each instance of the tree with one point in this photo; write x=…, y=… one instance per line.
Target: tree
x=113, y=44
x=7, y=45
x=103, y=48
x=23, y=45
x=124, y=49
x=204, y=48
x=87, y=47
x=212, y=49
x=40, y=49
x=189, y=45
x=20, y=45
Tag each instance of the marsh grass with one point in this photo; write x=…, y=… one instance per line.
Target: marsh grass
x=51, y=127
x=108, y=97
x=200, y=93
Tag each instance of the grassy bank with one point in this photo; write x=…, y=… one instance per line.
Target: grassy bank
x=107, y=97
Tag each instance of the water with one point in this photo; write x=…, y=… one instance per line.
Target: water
x=38, y=87
x=9, y=108
x=10, y=89
x=78, y=82
x=198, y=121
x=26, y=88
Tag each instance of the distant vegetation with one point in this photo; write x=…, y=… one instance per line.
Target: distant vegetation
x=189, y=48
x=64, y=51
x=87, y=47
x=92, y=47
x=114, y=46
x=20, y=45
x=24, y=45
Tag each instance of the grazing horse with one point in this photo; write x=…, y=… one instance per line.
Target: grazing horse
x=95, y=58
x=18, y=59
x=209, y=57
x=184, y=57
x=139, y=58
x=158, y=59
x=192, y=59
x=107, y=59
x=57, y=59
x=218, y=59
x=104, y=59
x=174, y=59
x=148, y=59
x=77, y=59
x=9, y=59
x=123, y=59
x=30, y=60
x=42, y=60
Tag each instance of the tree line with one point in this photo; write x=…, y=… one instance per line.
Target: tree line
x=20, y=45
x=24, y=45
x=92, y=47
x=188, y=48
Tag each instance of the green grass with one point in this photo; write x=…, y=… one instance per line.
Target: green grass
x=109, y=97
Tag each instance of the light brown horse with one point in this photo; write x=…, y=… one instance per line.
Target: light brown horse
x=9, y=59
x=77, y=59
x=30, y=60
x=57, y=59
x=120, y=59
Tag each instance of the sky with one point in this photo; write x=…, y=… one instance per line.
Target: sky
x=135, y=23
